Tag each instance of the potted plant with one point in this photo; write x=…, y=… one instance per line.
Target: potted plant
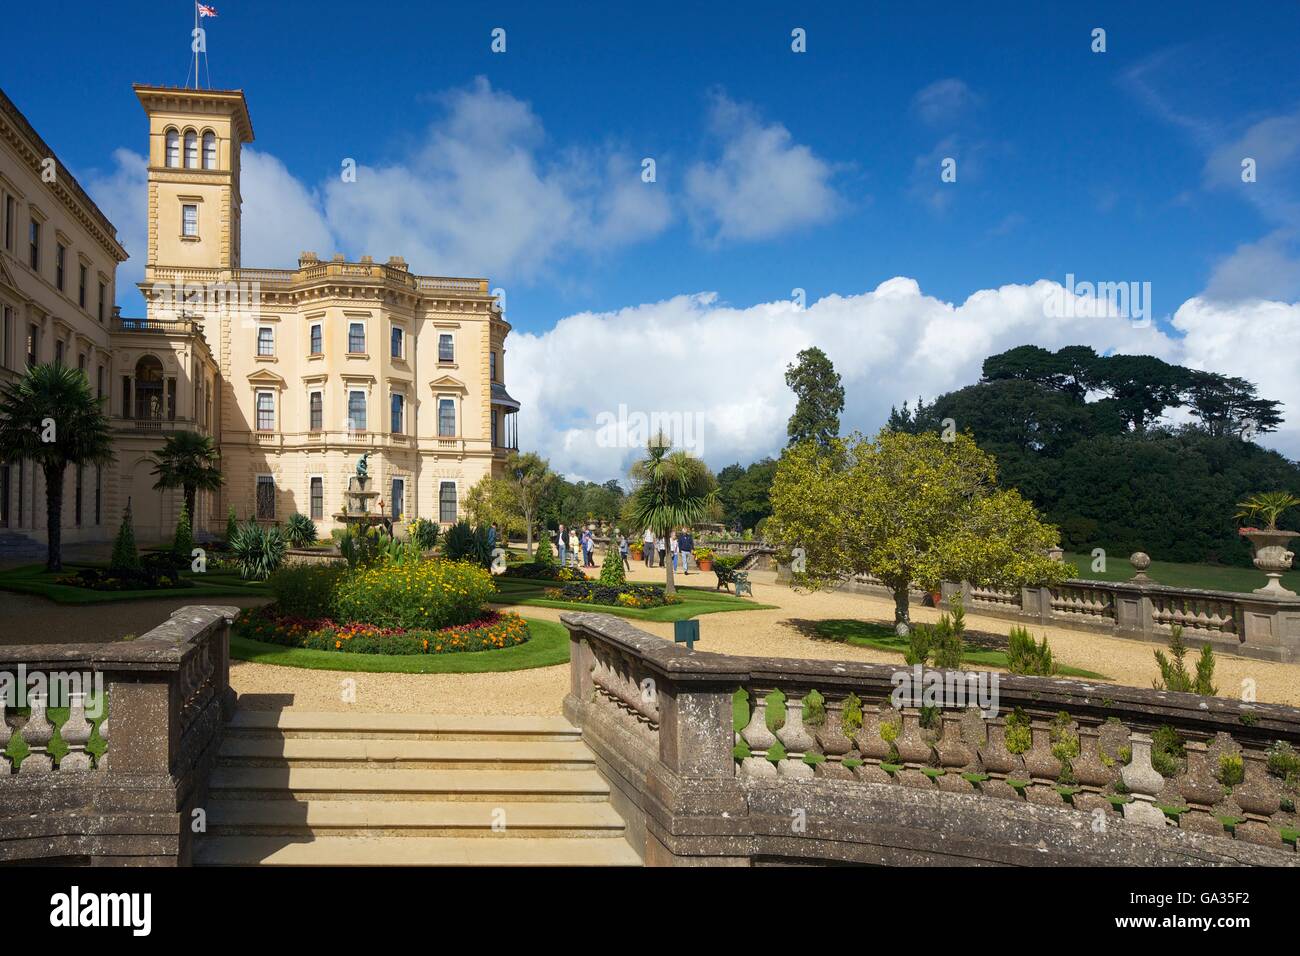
x=634, y=549
x=704, y=559
x=1272, y=554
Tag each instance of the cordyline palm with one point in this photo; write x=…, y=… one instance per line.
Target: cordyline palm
x=673, y=490
x=1269, y=505
x=49, y=417
x=189, y=461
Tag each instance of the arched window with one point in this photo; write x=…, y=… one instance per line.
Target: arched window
x=173, y=148
x=209, y=150
x=191, y=149
x=149, y=389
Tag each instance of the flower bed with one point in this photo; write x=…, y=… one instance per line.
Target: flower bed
x=626, y=595
x=425, y=595
x=491, y=631
x=157, y=572
x=540, y=571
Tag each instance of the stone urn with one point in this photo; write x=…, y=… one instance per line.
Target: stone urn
x=1272, y=556
x=1140, y=561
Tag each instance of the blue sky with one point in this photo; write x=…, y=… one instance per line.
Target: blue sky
x=775, y=170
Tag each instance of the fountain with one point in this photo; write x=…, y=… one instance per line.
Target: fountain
x=356, y=511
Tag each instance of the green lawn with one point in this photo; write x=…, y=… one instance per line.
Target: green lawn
x=1211, y=577
x=882, y=638
x=548, y=645
x=34, y=579
x=695, y=601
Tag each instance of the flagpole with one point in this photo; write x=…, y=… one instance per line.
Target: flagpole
x=195, y=40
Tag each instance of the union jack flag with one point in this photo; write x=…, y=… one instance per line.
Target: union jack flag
x=207, y=11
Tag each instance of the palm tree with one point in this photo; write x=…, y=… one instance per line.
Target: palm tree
x=49, y=417
x=190, y=461
x=674, y=489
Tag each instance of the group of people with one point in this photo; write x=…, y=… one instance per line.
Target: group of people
x=680, y=545
x=570, y=545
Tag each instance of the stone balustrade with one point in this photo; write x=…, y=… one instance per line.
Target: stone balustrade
x=1250, y=625
x=719, y=759
x=71, y=789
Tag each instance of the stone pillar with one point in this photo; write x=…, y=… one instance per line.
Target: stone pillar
x=1271, y=628
x=695, y=730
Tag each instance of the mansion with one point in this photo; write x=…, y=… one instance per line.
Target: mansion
x=295, y=373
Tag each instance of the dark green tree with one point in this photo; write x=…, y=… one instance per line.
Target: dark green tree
x=821, y=398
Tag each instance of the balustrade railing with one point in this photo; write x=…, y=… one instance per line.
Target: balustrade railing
x=686, y=736
x=70, y=788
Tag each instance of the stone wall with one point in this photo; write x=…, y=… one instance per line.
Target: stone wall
x=125, y=790
x=1060, y=772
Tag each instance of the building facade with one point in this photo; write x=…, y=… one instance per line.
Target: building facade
x=58, y=265
x=295, y=373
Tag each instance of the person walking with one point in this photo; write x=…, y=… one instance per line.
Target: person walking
x=624, y=549
x=648, y=548
x=673, y=546
x=661, y=545
x=686, y=545
x=587, y=561
x=573, y=546
x=561, y=543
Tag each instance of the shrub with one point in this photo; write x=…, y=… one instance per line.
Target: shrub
x=232, y=525
x=424, y=533
x=1017, y=732
x=459, y=545
x=611, y=569
x=624, y=595
x=429, y=594
x=125, y=556
x=918, y=645
x=1026, y=656
x=851, y=715
x=1173, y=671
x=183, y=542
x=305, y=590
x=257, y=551
x=1232, y=770
x=300, y=531
x=1284, y=762
x=1065, y=744
x=1168, y=751
x=545, y=556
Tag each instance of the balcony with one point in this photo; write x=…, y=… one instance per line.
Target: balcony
x=148, y=422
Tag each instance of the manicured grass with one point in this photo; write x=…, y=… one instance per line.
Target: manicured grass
x=882, y=638
x=1212, y=577
x=695, y=601
x=34, y=579
x=547, y=645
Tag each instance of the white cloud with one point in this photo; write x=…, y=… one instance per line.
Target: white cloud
x=122, y=193
x=282, y=217
x=476, y=196
x=693, y=355
x=762, y=184
x=944, y=101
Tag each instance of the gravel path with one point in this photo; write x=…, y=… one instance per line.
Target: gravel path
x=783, y=632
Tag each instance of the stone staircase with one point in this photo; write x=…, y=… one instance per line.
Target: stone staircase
x=14, y=547
x=340, y=789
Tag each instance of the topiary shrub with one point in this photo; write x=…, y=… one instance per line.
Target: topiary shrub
x=299, y=530
x=232, y=525
x=183, y=541
x=257, y=551
x=611, y=569
x=304, y=590
x=125, y=556
x=428, y=594
x=1026, y=656
x=545, y=556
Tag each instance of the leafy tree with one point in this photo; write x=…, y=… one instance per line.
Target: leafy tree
x=671, y=489
x=494, y=501
x=50, y=418
x=1226, y=406
x=821, y=398
x=189, y=461
x=530, y=477
x=910, y=510
x=746, y=493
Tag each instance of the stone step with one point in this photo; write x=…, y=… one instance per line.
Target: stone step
x=291, y=722
x=412, y=818
x=277, y=750
x=312, y=783
x=413, y=851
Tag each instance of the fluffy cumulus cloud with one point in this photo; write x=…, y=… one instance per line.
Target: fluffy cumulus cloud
x=762, y=183
x=715, y=374
x=477, y=197
x=122, y=192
